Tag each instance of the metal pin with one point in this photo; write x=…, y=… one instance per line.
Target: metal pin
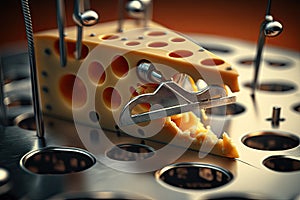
x=121, y=16
x=147, y=72
x=78, y=8
x=276, y=116
x=260, y=46
x=60, y=14
x=34, y=82
x=268, y=28
x=148, y=11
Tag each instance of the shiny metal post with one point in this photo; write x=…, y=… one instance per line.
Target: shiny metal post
x=276, y=116
x=60, y=15
x=82, y=18
x=269, y=28
x=33, y=74
x=121, y=15
x=78, y=8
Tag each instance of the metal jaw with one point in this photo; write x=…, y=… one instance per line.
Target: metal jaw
x=170, y=99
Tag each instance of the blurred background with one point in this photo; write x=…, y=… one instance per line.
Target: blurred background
x=232, y=18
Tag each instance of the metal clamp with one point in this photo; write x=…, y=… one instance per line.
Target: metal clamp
x=170, y=98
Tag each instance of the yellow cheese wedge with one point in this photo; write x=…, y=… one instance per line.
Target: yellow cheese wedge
x=105, y=77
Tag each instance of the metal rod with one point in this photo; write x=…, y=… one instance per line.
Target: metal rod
x=78, y=42
x=78, y=7
x=276, y=116
x=87, y=4
x=148, y=13
x=268, y=7
x=260, y=46
x=60, y=14
x=34, y=82
x=82, y=17
x=121, y=16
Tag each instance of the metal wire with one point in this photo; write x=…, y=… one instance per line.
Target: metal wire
x=260, y=46
x=60, y=15
x=268, y=7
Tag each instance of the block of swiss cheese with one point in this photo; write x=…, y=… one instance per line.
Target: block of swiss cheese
x=100, y=84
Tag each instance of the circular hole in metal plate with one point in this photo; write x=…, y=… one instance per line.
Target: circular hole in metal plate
x=57, y=160
x=270, y=141
x=271, y=62
x=277, y=64
x=130, y=152
x=230, y=109
x=282, y=163
x=26, y=121
x=217, y=49
x=273, y=86
x=246, y=61
x=194, y=176
x=236, y=196
x=97, y=195
x=296, y=108
x=231, y=198
x=15, y=101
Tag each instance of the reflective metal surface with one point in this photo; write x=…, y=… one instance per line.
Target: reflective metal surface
x=257, y=174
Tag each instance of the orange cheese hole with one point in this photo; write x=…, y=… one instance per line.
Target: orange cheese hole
x=178, y=40
x=181, y=54
x=109, y=37
x=71, y=48
x=67, y=84
x=133, y=43
x=96, y=72
x=157, y=33
x=212, y=62
x=111, y=98
x=157, y=44
x=119, y=66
